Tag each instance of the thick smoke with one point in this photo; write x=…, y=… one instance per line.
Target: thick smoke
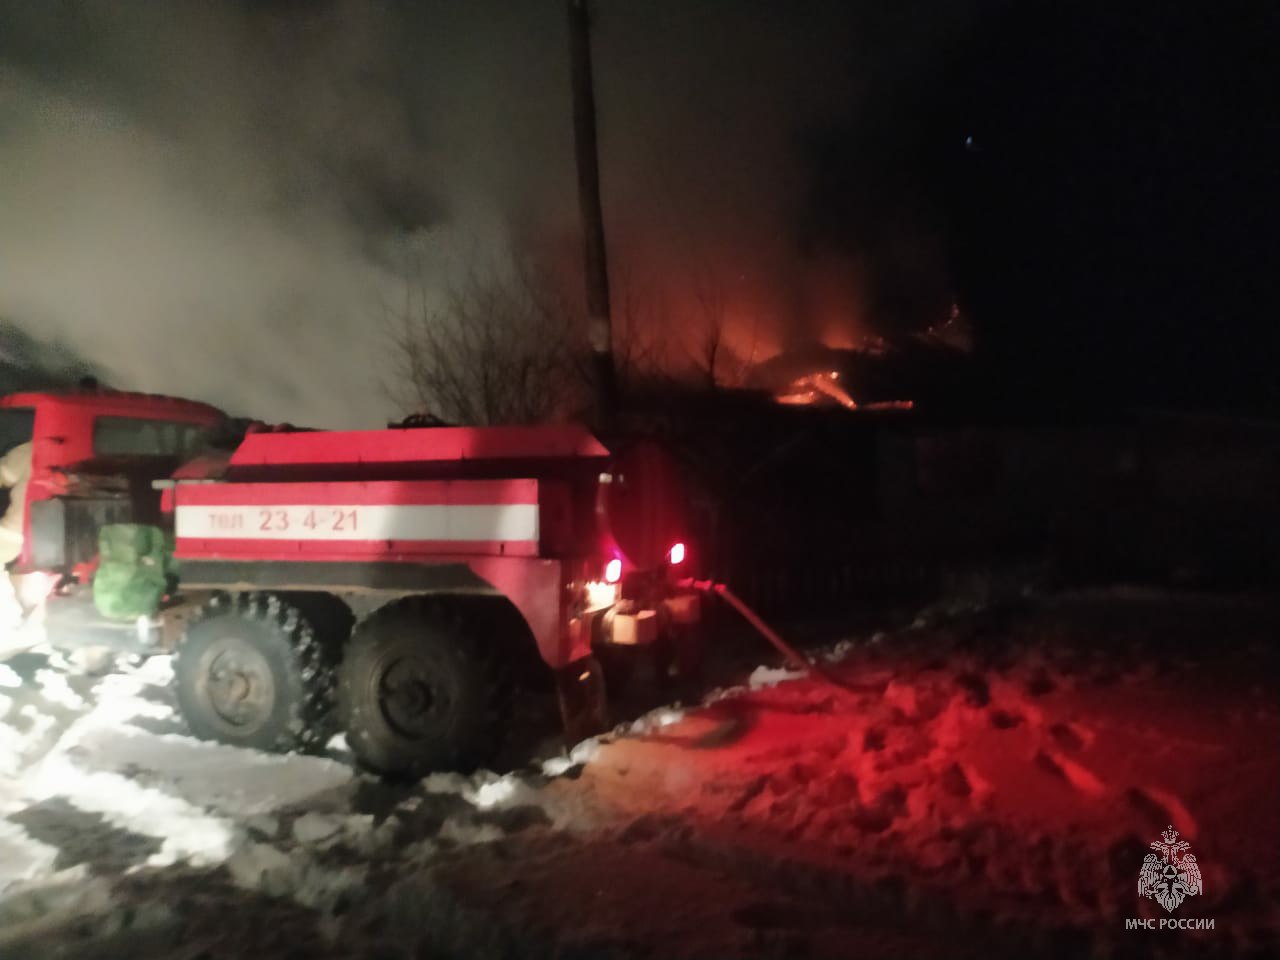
x=30, y=364
x=214, y=200
x=211, y=202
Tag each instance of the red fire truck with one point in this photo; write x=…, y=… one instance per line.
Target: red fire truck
x=389, y=583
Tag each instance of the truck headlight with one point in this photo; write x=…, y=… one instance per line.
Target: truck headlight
x=600, y=594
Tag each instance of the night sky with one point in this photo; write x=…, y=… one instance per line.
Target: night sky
x=1116, y=229
x=215, y=199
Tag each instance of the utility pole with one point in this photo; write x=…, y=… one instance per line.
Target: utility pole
x=596, y=264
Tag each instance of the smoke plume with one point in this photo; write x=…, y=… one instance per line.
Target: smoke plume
x=212, y=200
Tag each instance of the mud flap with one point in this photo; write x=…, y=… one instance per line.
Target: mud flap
x=584, y=704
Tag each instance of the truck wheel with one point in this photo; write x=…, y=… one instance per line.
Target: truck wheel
x=417, y=692
x=250, y=672
x=331, y=620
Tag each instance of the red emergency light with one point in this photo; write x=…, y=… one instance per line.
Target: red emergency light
x=676, y=554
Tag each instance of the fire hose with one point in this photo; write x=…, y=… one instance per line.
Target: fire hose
x=793, y=656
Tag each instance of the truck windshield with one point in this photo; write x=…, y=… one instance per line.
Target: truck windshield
x=17, y=425
x=136, y=437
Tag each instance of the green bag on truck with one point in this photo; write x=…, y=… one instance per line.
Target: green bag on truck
x=135, y=563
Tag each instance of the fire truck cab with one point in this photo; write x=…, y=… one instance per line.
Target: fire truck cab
x=94, y=455
x=383, y=582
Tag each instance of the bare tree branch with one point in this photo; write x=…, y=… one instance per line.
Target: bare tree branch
x=497, y=346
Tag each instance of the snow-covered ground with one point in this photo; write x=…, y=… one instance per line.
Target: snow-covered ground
x=981, y=785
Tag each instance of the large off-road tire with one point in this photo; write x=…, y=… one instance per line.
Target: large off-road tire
x=329, y=617
x=422, y=689
x=250, y=672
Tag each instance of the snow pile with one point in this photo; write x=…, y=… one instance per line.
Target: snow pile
x=581, y=754
x=234, y=781
x=12, y=745
x=22, y=733
x=55, y=688
x=841, y=650
x=485, y=792
x=187, y=832
x=297, y=875
x=763, y=677
x=22, y=858
x=653, y=720
x=105, y=748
